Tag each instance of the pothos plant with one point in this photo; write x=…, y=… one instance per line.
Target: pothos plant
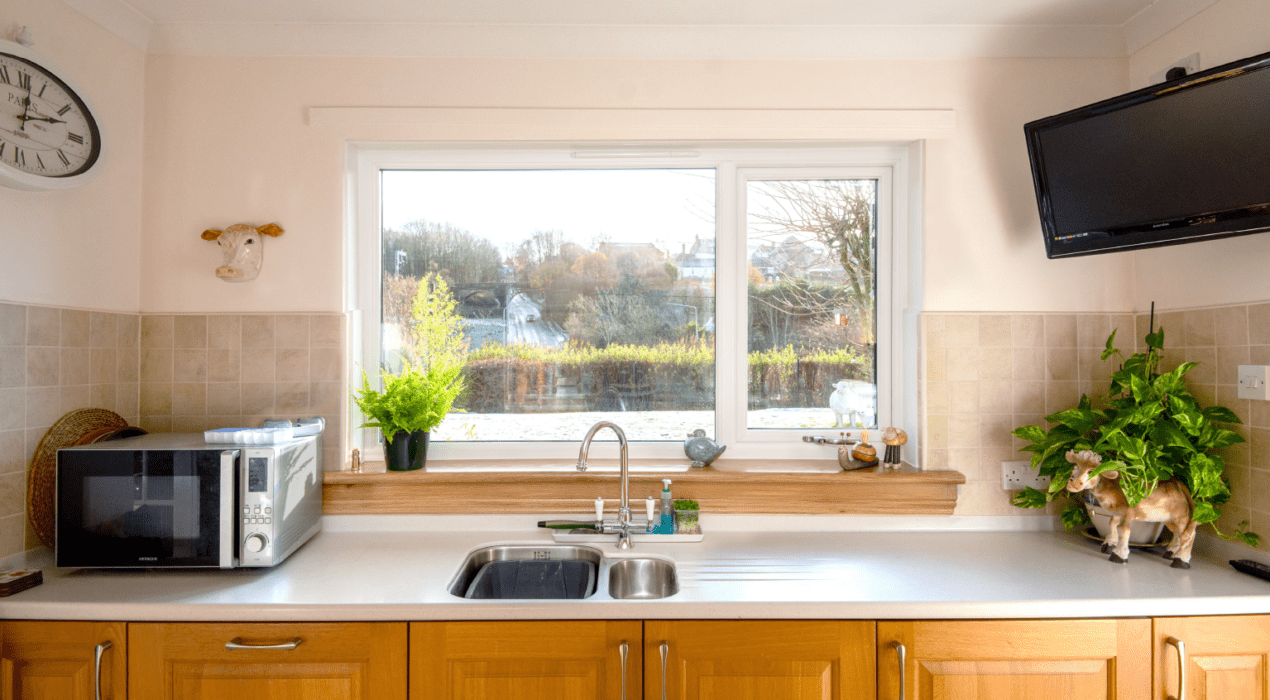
x=1152, y=430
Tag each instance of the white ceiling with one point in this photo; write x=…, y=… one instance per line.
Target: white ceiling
x=760, y=29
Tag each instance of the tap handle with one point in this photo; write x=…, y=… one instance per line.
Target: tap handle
x=599, y=510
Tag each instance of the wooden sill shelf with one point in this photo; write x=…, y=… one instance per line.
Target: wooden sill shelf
x=450, y=488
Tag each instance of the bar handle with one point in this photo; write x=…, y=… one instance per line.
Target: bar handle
x=622, y=651
x=237, y=643
x=665, y=651
x=97, y=653
x=899, y=654
x=1181, y=668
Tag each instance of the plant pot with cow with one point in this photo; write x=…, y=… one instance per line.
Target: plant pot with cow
x=1153, y=454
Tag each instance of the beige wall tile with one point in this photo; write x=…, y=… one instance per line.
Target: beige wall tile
x=292, y=365
x=1174, y=325
x=102, y=396
x=43, y=406
x=326, y=397
x=963, y=364
x=12, y=534
x=1060, y=396
x=103, y=361
x=259, y=365
x=189, y=399
x=257, y=331
x=128, y=365
x=966, y=461
x=12, y=451
x=157, y=331
x=1124, y=327
x=961, y=330
x=1027, y=330
x=934, y=334
x=1028, y=397
x=291, y=397
x=12, y=366
x=937, y=398
x=1240, y=485
x=936, y=460
x=13, y=409
x=12, y=324
x=996, y=363
x=963, y=397
x=156, y=365
x=1060, y=364
x=291, y=331
x=990, y=459
x=43, y=366
x=189, y=331
x=325, y=330
x=189, y=424
x=1092, y=330
x=224, y=332
x=1230, y=325
x=994, y=430
x=1029, y=364
x=326, y=365
x=995, y=331
x=102, y=328
x=128, y=331
x=1206, y=372
x=1259, y=354
x=76, y=366
x=156, y=424
x=1228, y=361
x=1143, y=327
x=996, y=396
x=215, y=422
x=1258, y=325
x=224, y=398
x=257, y=398
x=1060, y=330
x=936, y=364
x=224, y=365
x=75, y=329
x=72, y=398
x=963, y=431
x=189, y=365
x=937, y=432
x=43, y=326
x=1259, y=449
x=1200, y=327
x=128, y=400
x=156, y=399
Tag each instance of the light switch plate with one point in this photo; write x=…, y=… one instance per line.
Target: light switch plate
x=1252, y=382
x=1016, y=475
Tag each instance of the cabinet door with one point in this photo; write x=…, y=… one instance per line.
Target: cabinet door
x=1225, y=657
x=759, y=660
x=1016, y=659
x=207, y=661
x=525, y=660
x=59, y=660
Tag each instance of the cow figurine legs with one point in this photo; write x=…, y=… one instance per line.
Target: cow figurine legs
x=1170, y=503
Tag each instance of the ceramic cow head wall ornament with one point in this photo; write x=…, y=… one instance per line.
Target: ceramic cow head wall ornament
x=243, y=249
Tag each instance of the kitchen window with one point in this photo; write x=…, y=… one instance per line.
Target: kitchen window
x=667, y=289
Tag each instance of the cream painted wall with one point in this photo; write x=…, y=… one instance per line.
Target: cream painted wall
x=1232, y=270
x=227, y=141
x=80, y=247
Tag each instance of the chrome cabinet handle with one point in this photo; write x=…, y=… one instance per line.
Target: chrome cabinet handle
x=665, y=650
x=237, y=643
x=621, y=651
x=899, y=653
x=1181, y=667
x=97, y=652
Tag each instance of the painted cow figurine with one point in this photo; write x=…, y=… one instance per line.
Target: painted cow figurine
x=1170, y=503
x=242, y=248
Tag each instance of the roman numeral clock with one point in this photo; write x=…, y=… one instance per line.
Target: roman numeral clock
x=49, y=136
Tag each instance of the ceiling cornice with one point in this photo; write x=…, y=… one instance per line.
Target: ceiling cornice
x=641, y=41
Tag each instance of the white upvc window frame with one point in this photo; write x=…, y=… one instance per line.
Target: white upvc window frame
x=896, y=167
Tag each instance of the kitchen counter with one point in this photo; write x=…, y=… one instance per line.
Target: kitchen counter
x=400, y=567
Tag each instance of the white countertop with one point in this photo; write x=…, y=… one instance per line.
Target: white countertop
x=399, y=568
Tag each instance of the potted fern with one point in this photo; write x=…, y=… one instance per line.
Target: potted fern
x=411, y=404
x=1152, y=430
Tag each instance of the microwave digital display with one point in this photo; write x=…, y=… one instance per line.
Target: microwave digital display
x=257, y=474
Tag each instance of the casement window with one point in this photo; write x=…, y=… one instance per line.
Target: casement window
x=665, y=289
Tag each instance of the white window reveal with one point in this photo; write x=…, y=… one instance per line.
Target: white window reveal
x=729, y=291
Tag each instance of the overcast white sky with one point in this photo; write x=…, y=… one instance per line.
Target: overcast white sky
x=665, y=207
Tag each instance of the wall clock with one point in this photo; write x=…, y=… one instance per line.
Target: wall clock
x=49, y=134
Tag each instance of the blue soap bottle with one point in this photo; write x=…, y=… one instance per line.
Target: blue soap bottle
x=667, y=525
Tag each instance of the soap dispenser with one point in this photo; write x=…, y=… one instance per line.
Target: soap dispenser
x=667, y=526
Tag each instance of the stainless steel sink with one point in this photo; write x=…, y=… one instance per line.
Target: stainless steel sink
x=642, y=579
x=550, y=552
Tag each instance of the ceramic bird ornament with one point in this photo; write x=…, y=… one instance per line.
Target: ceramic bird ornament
x=701, y=449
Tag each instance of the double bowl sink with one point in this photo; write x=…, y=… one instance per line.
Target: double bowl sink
x=553, y=571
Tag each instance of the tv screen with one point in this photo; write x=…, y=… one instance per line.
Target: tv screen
x=1173, y=163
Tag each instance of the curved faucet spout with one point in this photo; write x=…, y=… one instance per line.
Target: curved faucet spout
x=624, y=510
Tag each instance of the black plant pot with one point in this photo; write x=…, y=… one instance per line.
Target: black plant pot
x=406, y=452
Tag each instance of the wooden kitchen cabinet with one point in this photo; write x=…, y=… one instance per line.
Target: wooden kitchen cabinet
x=1016, y=659
x=759, y=660
x=332, y=661
x=525, y=660
x=59, y=660
x=1225, y=657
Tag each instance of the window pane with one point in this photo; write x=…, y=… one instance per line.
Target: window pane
x=585, y=295
x=812, y=249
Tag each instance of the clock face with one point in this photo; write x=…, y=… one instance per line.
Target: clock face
x=45, y=128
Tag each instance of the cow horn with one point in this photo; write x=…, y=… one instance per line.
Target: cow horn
x=270, y=230
x=211, y=234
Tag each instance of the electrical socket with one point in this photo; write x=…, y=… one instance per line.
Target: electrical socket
x=1017, y=475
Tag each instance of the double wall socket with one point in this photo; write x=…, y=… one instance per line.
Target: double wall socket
x=1017, y=475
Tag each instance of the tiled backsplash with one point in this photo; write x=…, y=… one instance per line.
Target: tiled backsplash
x=53, y=361
x=200, y=372
x=987, y=374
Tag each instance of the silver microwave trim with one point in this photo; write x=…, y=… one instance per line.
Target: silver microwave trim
x=228, y=508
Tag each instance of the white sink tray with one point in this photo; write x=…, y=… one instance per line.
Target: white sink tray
x=564, y=536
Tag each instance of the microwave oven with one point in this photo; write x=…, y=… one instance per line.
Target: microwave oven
x=173, y=500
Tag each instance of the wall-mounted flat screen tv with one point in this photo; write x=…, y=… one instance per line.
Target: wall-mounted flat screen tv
x=1184, y=161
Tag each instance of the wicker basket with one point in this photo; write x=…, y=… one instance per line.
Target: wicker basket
x=79, y=427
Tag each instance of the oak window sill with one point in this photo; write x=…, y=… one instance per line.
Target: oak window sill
x=734, y=486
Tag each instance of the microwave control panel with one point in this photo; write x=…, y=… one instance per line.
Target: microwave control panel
x=257, y=510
